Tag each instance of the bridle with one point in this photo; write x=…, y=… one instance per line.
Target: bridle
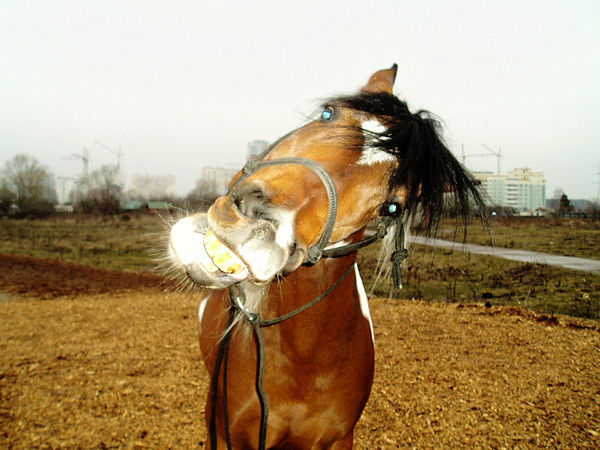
x=391, y=214
x=315, y=253
x=391, y=211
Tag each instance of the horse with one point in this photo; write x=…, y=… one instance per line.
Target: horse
x=285, y=328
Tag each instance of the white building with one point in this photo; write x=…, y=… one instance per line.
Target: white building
x=153, y=187
x=216, y=179
x=521, y=189
x=65, y=189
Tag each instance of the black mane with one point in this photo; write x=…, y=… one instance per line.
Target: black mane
x=428, y=169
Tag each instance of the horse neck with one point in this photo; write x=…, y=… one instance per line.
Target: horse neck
x=309, y=282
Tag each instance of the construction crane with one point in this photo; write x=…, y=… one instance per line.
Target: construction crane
x=598, y=194
x=118, y=153
x=497, y=154
x=84, y=157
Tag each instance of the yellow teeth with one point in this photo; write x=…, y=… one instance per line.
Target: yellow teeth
x=211, y=268
x=223, y=258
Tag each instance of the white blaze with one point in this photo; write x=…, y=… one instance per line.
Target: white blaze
x=364, y=301
x=370, y=154
x=201, y=311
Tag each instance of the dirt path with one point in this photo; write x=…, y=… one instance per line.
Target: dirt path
x=118, y=366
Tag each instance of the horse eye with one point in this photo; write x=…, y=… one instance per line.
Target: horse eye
x=327, y=113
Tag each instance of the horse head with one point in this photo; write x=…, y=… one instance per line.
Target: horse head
x=321, y=185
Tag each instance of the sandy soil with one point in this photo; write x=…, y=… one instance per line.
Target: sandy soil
x=97, y=358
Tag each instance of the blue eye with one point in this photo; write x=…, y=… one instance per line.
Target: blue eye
x=327, y=114
x=391, y=209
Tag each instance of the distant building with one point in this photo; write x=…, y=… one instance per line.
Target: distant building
x=255, y=148
x=216, y=180
x=65, y=189
x=153, y=186
x=50, y=189
x=521, y=189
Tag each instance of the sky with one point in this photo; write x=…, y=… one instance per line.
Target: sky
x=178, y=85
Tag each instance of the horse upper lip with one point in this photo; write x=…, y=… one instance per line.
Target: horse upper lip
x=187, y=247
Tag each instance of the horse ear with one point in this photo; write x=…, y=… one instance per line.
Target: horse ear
x=382, y=81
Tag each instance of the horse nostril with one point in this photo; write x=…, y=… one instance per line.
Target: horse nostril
x=251, y=201
x=237, y=202
x=250, y=206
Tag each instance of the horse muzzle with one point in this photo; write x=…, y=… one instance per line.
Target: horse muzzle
x=242, y=237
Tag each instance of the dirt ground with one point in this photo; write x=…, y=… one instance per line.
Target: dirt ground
x=93, y=358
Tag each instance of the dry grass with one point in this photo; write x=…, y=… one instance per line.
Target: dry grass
x=567, y=237
x=110, y=242
x=123, y=370
x=452, y=276
x=109, y=360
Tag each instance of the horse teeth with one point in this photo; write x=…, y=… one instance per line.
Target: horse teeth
x=236, y=268
x=214, y=247
x=222, y=257
x=211, y=268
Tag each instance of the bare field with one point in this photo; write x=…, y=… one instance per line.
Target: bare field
x=133, y=242
x=439, y=275
x=114, y=362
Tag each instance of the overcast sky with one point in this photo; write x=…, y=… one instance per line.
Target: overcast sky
x=177, y=85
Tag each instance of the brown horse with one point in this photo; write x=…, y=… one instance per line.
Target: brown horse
x=286, y=333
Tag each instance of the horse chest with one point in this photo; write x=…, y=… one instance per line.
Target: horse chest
x=318, y=374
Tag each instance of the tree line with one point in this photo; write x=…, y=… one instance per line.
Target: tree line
x=26, y=190
x=23, y=188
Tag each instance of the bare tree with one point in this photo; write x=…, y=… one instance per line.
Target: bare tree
x=594, y=211
x=7, y=199
x=202, y=196
x=27, y=180
x=105, y=192
x=558, y=193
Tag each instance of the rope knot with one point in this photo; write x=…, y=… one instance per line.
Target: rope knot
x=314, y=254
x=251, y=167
x=382, y=229
x=399, y=255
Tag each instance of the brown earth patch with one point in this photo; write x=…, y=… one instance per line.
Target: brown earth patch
x=112, y=361
x=47, y=279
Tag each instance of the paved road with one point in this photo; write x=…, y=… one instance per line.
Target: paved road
x=569, y=262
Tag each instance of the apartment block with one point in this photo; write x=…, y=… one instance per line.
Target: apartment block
x=521, y=189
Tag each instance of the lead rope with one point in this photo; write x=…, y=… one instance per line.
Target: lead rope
x=399, y=255
x=237, y=298
x=222, y=354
